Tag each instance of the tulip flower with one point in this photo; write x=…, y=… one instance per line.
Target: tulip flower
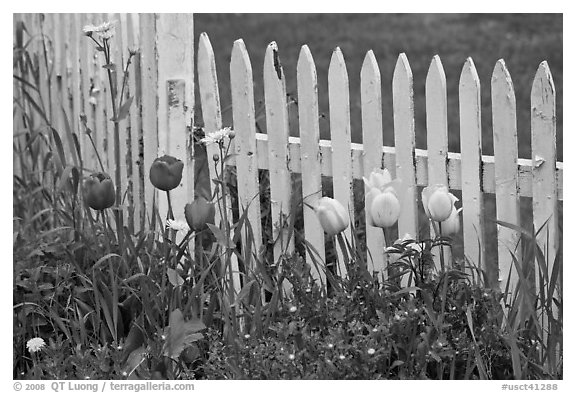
x=99, y=191
x=378, y=178
x=438, y=202
x=199, y=213
x=382, y=201
x=166, y=173
x=451, y=226
x=332, y=215
x=385, y=208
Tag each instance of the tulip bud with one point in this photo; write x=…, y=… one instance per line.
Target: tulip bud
x=216, y=157
x=378, y=178
x=452, y=225
x=332, y=215
x=99, y=191
x=438, y=202
x=166, y=173
x=199, y=213
x=385, y=209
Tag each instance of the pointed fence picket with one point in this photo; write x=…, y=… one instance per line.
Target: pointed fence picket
x=339, y=100
x=471, y=159
x=505, y=173
x=278, y=132
x=405, y=143
x=161, y=80
x=311, y=159
x=372, y=140
x=242, y=87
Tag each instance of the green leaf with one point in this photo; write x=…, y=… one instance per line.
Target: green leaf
x=181, y=334
x=124, y=110
x=174, y=277
x=221, y=237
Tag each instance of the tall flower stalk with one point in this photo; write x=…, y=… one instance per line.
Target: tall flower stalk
x=101, y=36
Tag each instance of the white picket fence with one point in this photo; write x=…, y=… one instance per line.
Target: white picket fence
x=160, y=121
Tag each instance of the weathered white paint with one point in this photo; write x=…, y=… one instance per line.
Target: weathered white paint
x=242, y=87
x=505, y=172
x=278, y=132
x=372, y=139
x=471, y=161
x=405, y=142
x=310, y=156
x=212, y=115
x=437, y=131
x=339, y=101
x=149, y=81
x=175, y=38
x=545, y=200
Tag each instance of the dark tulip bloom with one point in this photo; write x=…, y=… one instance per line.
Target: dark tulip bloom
x=166, y=173
x=199, y=213
x=99, y=191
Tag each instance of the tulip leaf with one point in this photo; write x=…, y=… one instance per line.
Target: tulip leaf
x=59, y=148
x=174, y=277
x=181, y=334
x=124, y=110
x=221, y=237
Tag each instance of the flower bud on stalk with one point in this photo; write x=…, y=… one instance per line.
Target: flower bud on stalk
x=199, y=213
x=99, y=191
x=438, y=202
x=166, y=173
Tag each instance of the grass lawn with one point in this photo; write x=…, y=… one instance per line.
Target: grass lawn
x=522, y=40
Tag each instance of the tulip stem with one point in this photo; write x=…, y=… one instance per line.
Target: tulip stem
x=170, y=212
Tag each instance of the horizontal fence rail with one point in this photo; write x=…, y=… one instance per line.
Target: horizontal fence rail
x=161, y=84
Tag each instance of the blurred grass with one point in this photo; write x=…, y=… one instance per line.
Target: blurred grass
x=522, y=40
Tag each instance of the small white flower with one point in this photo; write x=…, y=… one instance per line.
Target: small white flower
x=342, y=357
x=293, y=309
x=330, y=346
x=371, y=351
x=105, y=30
x=246, y=336
x=375, y=330
x=178, y=225
x=291, y=356
x=216, y=136
x=35, y=344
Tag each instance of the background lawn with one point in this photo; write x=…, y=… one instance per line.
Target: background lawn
x=522, y=40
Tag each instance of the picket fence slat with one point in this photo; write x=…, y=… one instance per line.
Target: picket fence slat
x=437, y=130
x=86, y=108
x=136, y=148
x=405, y=142
x=278, y=132
x=545, y=201
x=505, y=172
x=212, y=115
x=372, y=139
x=75, y=33
x=176, y=101
x=471, y=158
x=310, y=157
x=149, y=77
x=242, y=88
x=339, y=101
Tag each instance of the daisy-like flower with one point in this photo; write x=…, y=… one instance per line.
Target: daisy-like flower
x=217, y=136
x=178, y=225
x=371, y=351
x=342, y=357
x=104, y=30
x=291, y=356
x=35, y=344
x=293, y=309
